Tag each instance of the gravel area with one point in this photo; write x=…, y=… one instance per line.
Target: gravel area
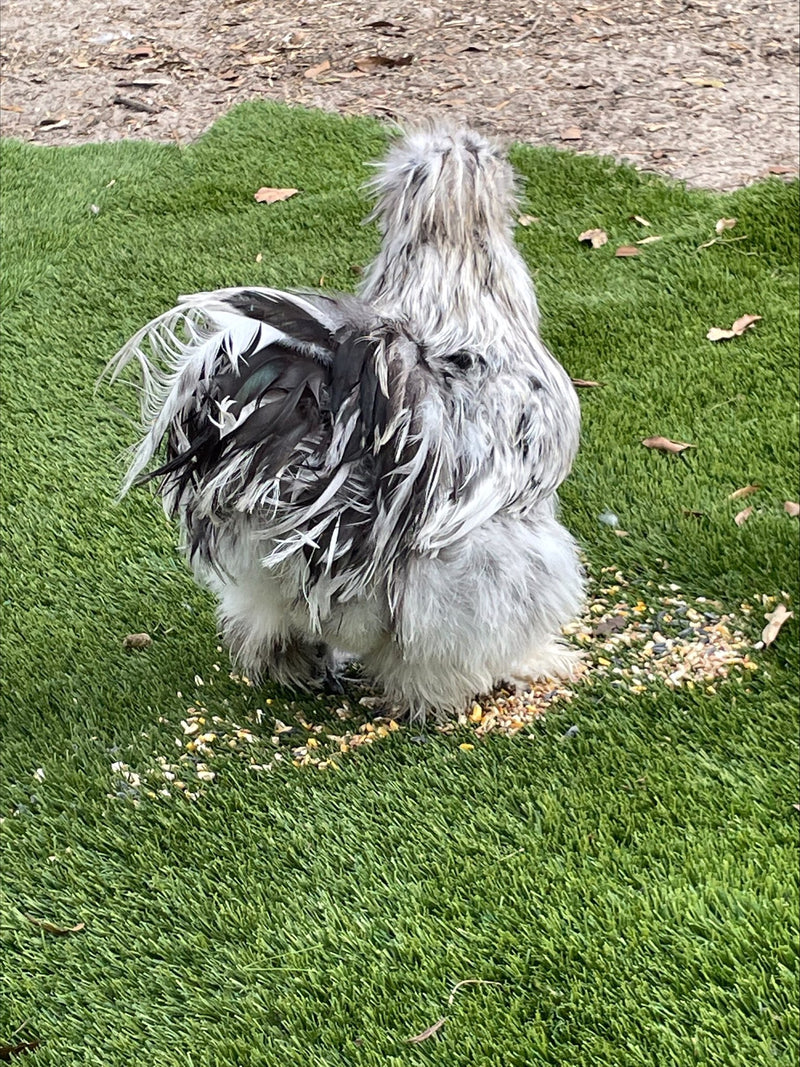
x=702, y=91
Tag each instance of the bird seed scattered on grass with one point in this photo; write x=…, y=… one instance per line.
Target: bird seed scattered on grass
x=633, y=644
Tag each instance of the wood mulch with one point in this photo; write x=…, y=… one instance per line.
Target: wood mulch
x=702, y=91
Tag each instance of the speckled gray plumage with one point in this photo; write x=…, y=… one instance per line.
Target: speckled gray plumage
x=377, y=474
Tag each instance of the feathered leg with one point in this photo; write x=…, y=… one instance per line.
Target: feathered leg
x=489, y=610
x=256, y=625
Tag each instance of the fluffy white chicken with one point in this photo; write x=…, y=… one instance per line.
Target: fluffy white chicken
x=377, y=474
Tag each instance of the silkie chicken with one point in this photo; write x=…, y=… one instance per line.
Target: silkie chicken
x=376, y=475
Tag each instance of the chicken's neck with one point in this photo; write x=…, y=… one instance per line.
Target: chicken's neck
x=472, y=294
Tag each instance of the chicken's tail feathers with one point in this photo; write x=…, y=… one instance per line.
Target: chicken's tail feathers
x=198, y=342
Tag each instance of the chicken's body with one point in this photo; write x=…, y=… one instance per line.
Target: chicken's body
x=378, y=474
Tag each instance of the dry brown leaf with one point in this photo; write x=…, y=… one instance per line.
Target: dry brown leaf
x=146, y=81
x=51, y=928
x=429, y=1032
x=737, y=329
x=585, y=383
x=690, y=513
x=626, y=250
x=781, y=170
x=620, y=533
x=640, y=219
x=705, y=83
x=597, y=238
x=8, y=1052
x=526, y=220
x=370, y=63
x=320, y=68
x=744, y=322
x=741, y=518
x=746, y=490
x=663, y=444
x=775, y=620
x=571, y=133
x=388, y=29
x=266, y=195
x=716, y=334
x=725, y=224
x=53, y=123
x=649, y=240
x=137, y=641
x=791, y=508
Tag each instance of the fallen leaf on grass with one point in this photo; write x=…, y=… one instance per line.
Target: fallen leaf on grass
x=663, y=444
x=571, y=133
x=320, y=68
x=585, y=383
x=725, y=224
x=597, y=238
x=8, y=1052
x=648, y=240
x=640, y=219
x=370, y=63
x=51, y=928
x=743, y=323
x=775, y=620
x=746, y=490
x=273, y=196
x=137, y=641
x=431, y=1030
x=690, y=513
x=792, y=508
x=743, y=516
x=526, y=220
x=626, y=250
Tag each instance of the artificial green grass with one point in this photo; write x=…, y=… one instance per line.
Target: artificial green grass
x=631, y=892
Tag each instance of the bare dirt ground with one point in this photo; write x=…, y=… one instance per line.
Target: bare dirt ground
x=702, y=90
